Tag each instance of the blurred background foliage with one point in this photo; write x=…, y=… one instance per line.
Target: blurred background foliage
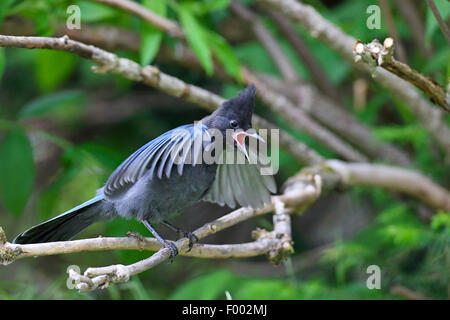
x=63, y=130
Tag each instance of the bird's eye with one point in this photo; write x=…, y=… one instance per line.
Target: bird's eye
x=234, y=124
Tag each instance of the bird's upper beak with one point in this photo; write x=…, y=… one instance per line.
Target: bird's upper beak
x=240, y=136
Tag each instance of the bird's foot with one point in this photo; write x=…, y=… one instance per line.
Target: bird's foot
x=173, y=249
x=192, y=238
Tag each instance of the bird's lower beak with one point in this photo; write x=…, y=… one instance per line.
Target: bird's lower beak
x=240, y=136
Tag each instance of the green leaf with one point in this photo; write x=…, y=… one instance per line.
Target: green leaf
x=16, y=171
x=196, y=38
x=203, y=7
x=94, y=12
x=2, y=62
x=431, y=23
x=53, y=68
x=46, y=104
x=207, y=287
x=150, y=36
x=224, y=53
x=4, y=6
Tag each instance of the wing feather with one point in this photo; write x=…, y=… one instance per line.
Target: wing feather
x=153, y=158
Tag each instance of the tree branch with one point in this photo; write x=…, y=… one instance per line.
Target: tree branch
x=135, y=8
x=387, y=13
x=431, y=118
x=267, y=40
x=382, y=55
x=339, y=121
x=318, y=75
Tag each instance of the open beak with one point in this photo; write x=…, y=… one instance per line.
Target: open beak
x=240, y=136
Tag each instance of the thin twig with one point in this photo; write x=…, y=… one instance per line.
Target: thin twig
x=135, y=8
x=415, y=22
x=387, y=14
x=382, y=55
x=315, y=70
x=444, y=28
x=267, y=40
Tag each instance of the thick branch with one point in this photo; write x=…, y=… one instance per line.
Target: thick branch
x=394, y=179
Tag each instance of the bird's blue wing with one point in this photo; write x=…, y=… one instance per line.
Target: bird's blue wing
x=173, y=148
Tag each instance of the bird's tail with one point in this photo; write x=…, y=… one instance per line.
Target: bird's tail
x=65, y=226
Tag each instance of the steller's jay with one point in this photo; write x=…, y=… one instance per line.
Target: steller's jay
x=164, y=177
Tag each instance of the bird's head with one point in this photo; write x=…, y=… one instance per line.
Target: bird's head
x=234, y=117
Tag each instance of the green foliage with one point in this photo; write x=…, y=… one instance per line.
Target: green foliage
x=197, y=38
x=16, y=171
x=406, y=250
x=431, y=25
x=150, y=36
x=206, y=6
x=2, y=62
x=209, y=286
x=224, y=53
x=53, y=68
x=4, y=6
x=95, y=12
x=49, y=103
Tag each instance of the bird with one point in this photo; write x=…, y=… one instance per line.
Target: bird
x=167, y=175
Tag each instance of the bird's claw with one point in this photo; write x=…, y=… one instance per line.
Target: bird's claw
x=192, y=239
x=173, y=249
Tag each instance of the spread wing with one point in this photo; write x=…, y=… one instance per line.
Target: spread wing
x=176, y=147
x=241, y=184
